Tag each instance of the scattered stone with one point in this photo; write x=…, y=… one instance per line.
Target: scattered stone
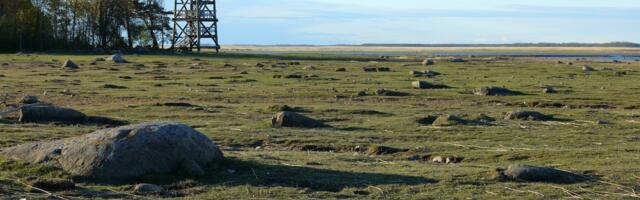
x=112, y=86
x=53, y=184
x=370, y=69
x=69, y=64
x=309, y=67
x=29, y=100
x=145, y=188
x=495, y=91
x=384, y=69
x=453, y=159
x=361, y=94
x=428, y=120
x=5, y=64
x=519, y=172
x=587, y=68
x=426, y=85
x=570, y=63
x=527, y=115
x=457, y=60
x=125, y=77
x=428, y=62
x=428, y=73
x=385, y=92
x=50, y=113
x=449, y=120
x=342, y=69
x=549, y=90
x=294, y=76
x=117, y=58
x=422, y=85
x=100, y=60
x=195, y=59
x=259, y=65
x=383, y=150
x=124, y=153
x=292, y=119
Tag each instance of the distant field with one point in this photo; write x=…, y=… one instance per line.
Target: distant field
x=597, y=132
x=233, y=48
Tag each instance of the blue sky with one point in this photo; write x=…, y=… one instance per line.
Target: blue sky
x=325, y=22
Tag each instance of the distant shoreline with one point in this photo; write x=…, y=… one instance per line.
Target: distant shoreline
x=428, y=49
x=610, y=44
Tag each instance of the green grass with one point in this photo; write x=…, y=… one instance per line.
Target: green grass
x=238, y=119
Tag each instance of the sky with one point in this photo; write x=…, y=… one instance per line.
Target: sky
x=326, y=22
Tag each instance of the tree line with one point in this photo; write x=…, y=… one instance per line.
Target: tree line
x=82, y=24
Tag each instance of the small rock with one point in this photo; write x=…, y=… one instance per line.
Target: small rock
x=549, y=90
x=453, y=159
x=384, y=69
x=69, y=64
x=361, y=94
x=259, y=65
x=428, y=73
x=370, y=69
x=342, y=69
x=111, y=86
x=117, y=58
x=527, y=115
x=495, y=91
x=427, y=62
x=422, y=85
x=292, y=119
x=438, y=159
x=29, y=100
x=587, y=68
x=145, y=188
x=309, y=67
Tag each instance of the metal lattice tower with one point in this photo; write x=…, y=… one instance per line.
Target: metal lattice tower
x=194, y=21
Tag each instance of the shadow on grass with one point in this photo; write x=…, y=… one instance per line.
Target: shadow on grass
x=266, y=175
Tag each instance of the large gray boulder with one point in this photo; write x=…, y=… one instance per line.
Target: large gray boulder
x=125, y=153
x=292, y=119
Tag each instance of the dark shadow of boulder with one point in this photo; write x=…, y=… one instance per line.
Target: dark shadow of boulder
x=526, y=173
x=258, y=174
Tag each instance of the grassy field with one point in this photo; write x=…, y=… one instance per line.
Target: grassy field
x=331, y=163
